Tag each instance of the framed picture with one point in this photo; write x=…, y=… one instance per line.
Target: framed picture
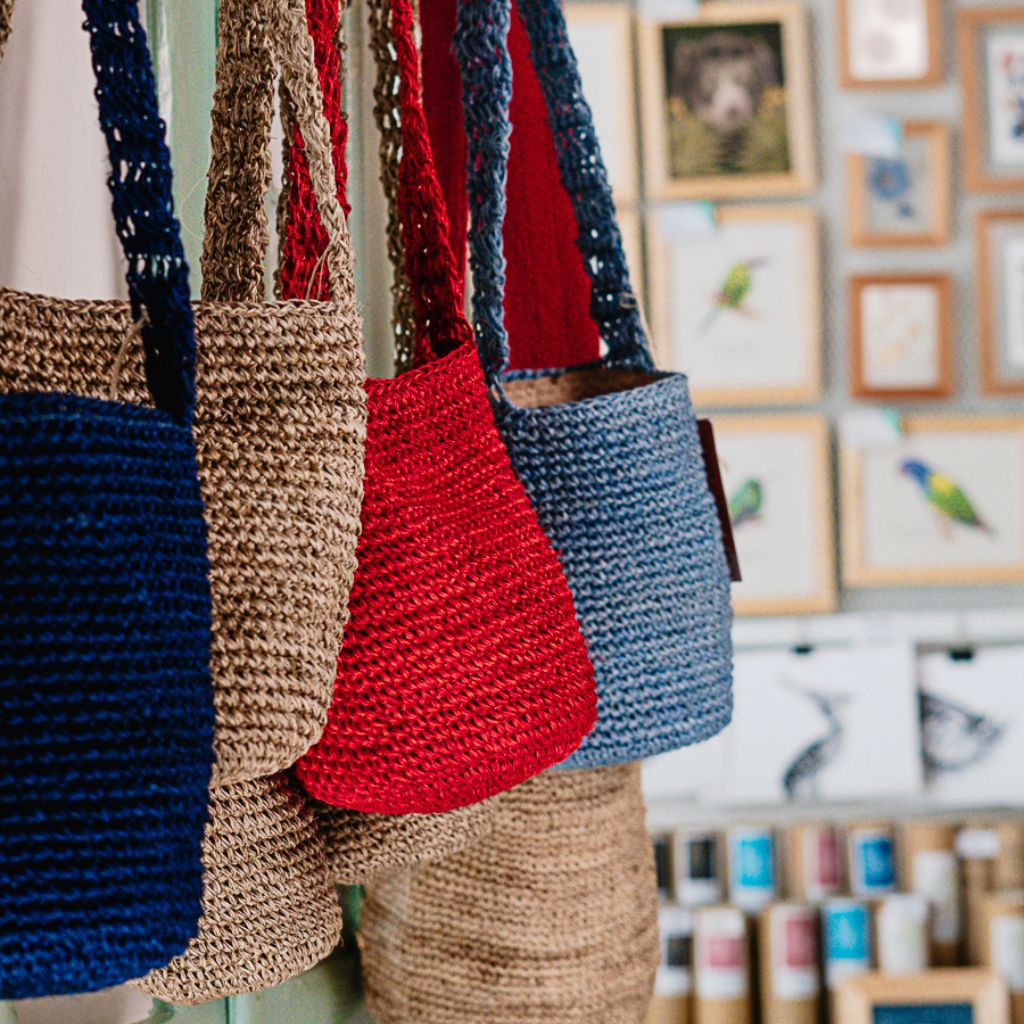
x=999, y=259
x=890, y=44
x=952, y=995
x=602, y=38
x=775, y=470
x=845, y=725
x=739, y=308
x=901, y=336
x=942, y=504
x=633, y=247
x=726, y=99
x=990, y=52
x=972, y=725
x=904, y=200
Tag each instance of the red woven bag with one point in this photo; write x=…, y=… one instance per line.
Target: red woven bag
x=463, y=671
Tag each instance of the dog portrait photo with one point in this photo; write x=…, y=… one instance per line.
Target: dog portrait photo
x=726, y=103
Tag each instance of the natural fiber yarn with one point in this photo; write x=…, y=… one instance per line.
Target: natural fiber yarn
x=105, y=693
x=361, y=847
x=463, y=671
x=270, y=910
x=551, y=917
x=609, y=453
x=280, y=422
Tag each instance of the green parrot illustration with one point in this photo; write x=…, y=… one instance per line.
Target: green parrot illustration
x=944, y=495
x=746, y=503
x=734, y=291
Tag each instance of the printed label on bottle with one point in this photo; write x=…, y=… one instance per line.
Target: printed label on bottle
x=935, y=878
x=753, y=869
x=794, y=953
x=903, y=934
x=847, y=941
x=872, y=862
x=675, y=977
x=721, y=949
x=822, y=863
x=1007, y=938
x=699, y=884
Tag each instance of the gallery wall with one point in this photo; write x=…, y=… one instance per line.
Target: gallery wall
x=836, y=112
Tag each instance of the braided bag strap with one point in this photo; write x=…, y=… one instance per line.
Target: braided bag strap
x=303, y=241
x=140, y=185
x=481, y=45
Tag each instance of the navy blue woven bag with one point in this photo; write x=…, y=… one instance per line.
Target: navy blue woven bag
x=106, y=707
x=609, y=452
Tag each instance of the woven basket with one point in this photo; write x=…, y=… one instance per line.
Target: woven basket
x=551, y=917
x=280, y=426
x=609, y=453
x=463, y=671
x=105, y=693
x=270, y=910
x=361, y=847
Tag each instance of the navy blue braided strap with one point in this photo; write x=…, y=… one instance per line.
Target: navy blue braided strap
x=140, y=184
x=482, y=49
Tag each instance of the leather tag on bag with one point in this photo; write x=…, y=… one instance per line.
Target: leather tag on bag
x=707, y=444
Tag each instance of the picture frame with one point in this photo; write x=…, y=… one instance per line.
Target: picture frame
x=940, y=504
x=777, y=478
x=951, y=995
x=631, y=229
x=730, y=142
x=901, y=336
x=601, y=35
x=889, y=46
x=905, y=201
x=990, y=56
x=727, y=308
x=999, y=266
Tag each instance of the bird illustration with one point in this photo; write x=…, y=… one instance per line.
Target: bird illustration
x=944, y=495
x=800, y=780
x=734, y=291
x=746, y=503
x=953, y=737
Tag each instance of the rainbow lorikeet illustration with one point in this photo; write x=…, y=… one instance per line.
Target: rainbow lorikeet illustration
x=944, y=495
x=745, y=504
x=734, y=291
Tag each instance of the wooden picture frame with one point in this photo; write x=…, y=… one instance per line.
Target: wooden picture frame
x=779, y=119
x=932, y=72
x=875, y=368
x=714, y=379
x=609, y=83
x=939, y=186
x=964, y=995
x=993, y=318
x=973, y=25
x=790, y=443
x=892, y=533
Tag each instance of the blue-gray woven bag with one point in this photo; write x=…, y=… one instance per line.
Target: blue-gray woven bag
x=609, y=451
x=106, y=705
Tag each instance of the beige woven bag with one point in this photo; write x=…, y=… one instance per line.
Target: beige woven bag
x=551, y=917
x=270, y=911
x=280, y=421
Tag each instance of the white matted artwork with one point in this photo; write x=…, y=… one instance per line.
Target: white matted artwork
x=942, y=504
x=844, y=725
x=890, y=43
x=972, y=714
x=738, y=307
x=696, y=772
x=999, y=259
x=601, y=35
x=901, y=338
x=775, y=470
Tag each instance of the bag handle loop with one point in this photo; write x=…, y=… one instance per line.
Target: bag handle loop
x=251, y=35
x=481, y=46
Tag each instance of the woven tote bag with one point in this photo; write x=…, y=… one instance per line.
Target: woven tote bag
x=270, y=910
x=280, y=427
x=609, y=452
x=551, y=917
x=463, y=670
x=105, y=688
